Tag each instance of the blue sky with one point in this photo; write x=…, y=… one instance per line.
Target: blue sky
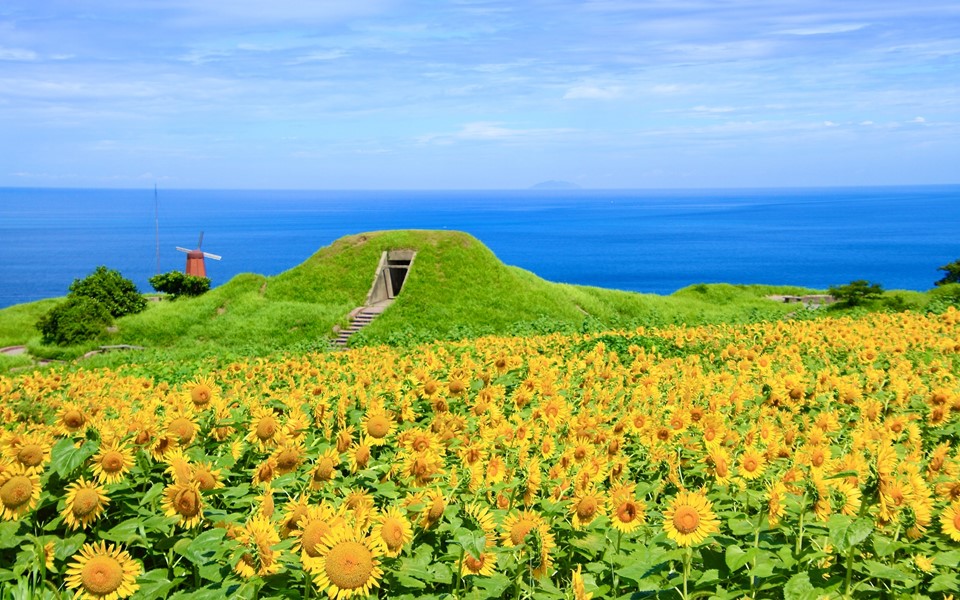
x=474, y=94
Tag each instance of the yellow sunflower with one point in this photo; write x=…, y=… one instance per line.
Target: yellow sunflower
x=394, y=530
x=627, y=513
x=112, y=462
x=71, y=420
x=377, y=425
x=264, y=427
x=19, y=491
x=579, y=588
x=103, y=572
x=288, y=454
x=752, y=463
x=482, y=566
x=184, y=501
x=347, y=564
x=324, y=469
x=318, y=522
x=690, y=519
x=259, y=537
x=202, y=392
x=206, y=476
x=587, y=505
x=950, y=521
x=31, y=450
x=518, y=525
x=84, y=504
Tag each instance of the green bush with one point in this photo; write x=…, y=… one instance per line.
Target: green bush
x=78, y=319
x=176, y=284
x=856, y=292
x=115, y=292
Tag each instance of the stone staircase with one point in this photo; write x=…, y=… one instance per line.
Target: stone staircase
x=359, y=317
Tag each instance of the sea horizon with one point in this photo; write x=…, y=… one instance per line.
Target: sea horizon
x=653, y=240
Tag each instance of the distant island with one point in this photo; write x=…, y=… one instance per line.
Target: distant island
x=555, y=185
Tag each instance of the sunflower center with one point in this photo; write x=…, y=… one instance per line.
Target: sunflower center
x=30, y=455
x=392, y=533
x=750, y=464
x=430, y=388
x=200, y=395
x=818, y=459
x=205, y=479
x=474, y=564
x=312, y=534
x=85, y=502
x=16, y=491
x=73, y=419
x=112, y=461
x=287, y=459
x=520, y=530
x=349, y=565
x=956, y=520
x=627, y=512
x=102, y=575
x=721, y=468
x=378, y=426
x=361, y=456
x=183, y=429
x=587, y=507
x=324, y=470
x=187, y=502
x=266, y=428
x=436, y=509
x=686, y=519
x=421, y=444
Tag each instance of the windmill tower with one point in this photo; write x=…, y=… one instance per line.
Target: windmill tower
x=195, y=264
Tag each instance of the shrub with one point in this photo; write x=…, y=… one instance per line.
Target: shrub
x=952, y=274
x=176, y=284
x=115, y=292
x=856, y=292
x=77, y=319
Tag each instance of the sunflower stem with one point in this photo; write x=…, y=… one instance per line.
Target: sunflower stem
x=687, y=559
x=459, y=574
x=613, y=573
x=803, y=509
x=849, y=578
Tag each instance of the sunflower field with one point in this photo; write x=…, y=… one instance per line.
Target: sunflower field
x=797, y=459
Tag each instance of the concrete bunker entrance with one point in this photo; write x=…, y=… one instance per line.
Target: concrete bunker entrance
x=391, y=275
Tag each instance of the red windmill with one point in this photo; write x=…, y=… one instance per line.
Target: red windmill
x=195, y=264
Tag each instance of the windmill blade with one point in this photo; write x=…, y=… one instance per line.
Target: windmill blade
x=213, y=256
x=200, y=241
x=183, y=249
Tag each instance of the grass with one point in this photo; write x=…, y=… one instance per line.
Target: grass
x=457, y=288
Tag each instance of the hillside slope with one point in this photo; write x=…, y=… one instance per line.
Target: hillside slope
x=456, y=288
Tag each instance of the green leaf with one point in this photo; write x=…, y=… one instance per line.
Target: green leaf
x=947, y=559
x=709, y=576
x=67, y=546
x=846, y=533
x=882, y=571
x=65, y=458
x=474, y=542
x=154, y=585
x=8, y=534
x=203, y=548
x=741, y=527
x=736, y=557
x=592, y=542
x=408, y=581
x=884, y=546
x=800, y=588
x=125, y=533
x=944, y=583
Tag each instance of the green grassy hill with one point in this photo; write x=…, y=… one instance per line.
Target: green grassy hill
x=456, y=288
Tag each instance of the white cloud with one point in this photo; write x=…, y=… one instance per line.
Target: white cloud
x=918, y=120
x=825, y=29
x=713, y=109
x=492, y=131
x=18, y=54
x=592, y=92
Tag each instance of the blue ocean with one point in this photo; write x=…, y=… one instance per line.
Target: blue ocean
x=643, y=241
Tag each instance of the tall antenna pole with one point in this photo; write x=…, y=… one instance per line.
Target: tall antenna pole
x=156, y=220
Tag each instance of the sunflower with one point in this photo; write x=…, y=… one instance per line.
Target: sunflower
x=752, y=463
x=579, y=589
x=347, y=564
x=178, y=465
x=324, y=469
x=202, y=392
x=112, y=462
x=31, y=450
x=184, y=501
x=259, y=537
x=377, y=425
x=289, y=454
x=264, y=427
x=359, y=455
x=950, y=521
x=71, y=420
x=518, y=525
x=435, y=503
x=587, y=505
x=690, y=519
x=19, y=491
x=84, y=504
x=482, y=566
x=293, y=513
x=394, y=530
x=627, y=513
x=103, y=572
x=318, y=522
x=206, y=476
x=481, y=517
x=182, y=425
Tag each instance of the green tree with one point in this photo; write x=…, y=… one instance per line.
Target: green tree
x=179, y=284
x=77, y=319
x=115, y=292
x=856, y=292
x=952, y=271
